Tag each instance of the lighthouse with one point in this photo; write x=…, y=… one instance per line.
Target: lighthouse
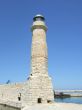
x=39, y=85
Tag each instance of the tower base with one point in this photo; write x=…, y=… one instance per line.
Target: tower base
x=39, y=90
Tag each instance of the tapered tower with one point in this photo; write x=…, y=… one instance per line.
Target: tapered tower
x=39, y=88
x=39, y=55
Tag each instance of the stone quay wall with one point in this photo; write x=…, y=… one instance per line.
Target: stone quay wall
x=11, y=91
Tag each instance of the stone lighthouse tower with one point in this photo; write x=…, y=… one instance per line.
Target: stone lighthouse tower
x=39, y=88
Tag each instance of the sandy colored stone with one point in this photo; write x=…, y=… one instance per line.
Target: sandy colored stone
x=39, y=83
x=55, y=106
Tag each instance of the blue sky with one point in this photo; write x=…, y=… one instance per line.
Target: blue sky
x=64, y=39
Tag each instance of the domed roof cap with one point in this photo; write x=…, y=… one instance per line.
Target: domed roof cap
x=38, y=17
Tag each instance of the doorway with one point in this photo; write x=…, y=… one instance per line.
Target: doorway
x=39, y=100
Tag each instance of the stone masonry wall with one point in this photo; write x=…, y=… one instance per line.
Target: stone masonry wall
x=11, y=91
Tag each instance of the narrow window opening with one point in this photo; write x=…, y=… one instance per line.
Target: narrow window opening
x=19, y=97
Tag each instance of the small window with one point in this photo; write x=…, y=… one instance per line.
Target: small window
x=48, y=101
x=39, y=100
x=19, y=97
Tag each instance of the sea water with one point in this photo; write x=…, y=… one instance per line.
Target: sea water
x=77, y=100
